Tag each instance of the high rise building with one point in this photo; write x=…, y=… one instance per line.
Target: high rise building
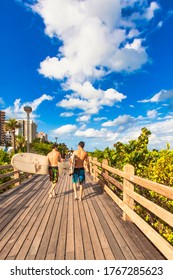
x=42, y=136
x=22, y=130
x=2, y=132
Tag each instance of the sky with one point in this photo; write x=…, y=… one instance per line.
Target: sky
x=94, y=71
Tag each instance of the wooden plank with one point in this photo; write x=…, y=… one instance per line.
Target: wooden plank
x=13, y=236
x=33, y=228
x=101, y=229
x=42, y=250
x=8, y=174
x=7, y=220
x=56, y=228
x=159, y=188
x=141, y=242
x=61, y=245
x=27, y=224
x=120, y=230
x=8, y=166
x=70, y=254
x=10, y=195
x=157, y=240
x=9, y=183
x=125, y=233
x=40, y=232
x=113, y=181
x=98, y=252
x=163, y=214
x=117, y=230
x=95, y=162
x=11, y=220
x=123, y=207
x=116, y=199
x=127, y=185
x=79, y=250
x=150, y=251
x=87, y=244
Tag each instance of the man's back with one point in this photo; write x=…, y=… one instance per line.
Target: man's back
x=54, y=157
x=80, y=156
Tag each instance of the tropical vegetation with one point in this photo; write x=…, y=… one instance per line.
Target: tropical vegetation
x=11, y=125
x=155, y=165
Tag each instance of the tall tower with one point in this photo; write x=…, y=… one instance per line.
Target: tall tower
x=23, y=129
x=2, y=132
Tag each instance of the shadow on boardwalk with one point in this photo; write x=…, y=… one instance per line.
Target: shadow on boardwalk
x=32, y=226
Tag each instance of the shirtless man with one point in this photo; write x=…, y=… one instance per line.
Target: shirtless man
x=53, y=157
x=79, y=173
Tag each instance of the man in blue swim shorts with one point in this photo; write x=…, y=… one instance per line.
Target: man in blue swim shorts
x=78, y=175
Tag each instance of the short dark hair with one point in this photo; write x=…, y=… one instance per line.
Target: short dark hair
x=81, y=144
x=54, y=146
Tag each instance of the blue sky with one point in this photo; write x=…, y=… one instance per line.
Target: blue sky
x=96, y=71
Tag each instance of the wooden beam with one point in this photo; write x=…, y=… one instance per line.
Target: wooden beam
x=156, y=238
x=127, y=185
x=163, y=214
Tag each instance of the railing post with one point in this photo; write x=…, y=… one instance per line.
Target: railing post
x=128, y=185
x=105, y=161
x=91, y=165
x=17, y=176
x=94, y=167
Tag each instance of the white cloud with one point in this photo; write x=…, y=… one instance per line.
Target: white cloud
x=64, y=130
x=89, y=99
x=83, y=119
x=160, y=24
x=104, y=134
x=96, y=39
x=119, y=121
x=135, y=45
x=67, y=114
x=133, y=33
x=151, y=114
x=162, y=132
x=150, y=11
x=17, y=110
x=1, y=101
x=159, y=97
x=91, y=33
x=100, y=119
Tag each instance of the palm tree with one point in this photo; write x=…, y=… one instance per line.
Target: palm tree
x=11, y=126
x=20, y=142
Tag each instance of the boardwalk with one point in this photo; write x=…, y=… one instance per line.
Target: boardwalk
x=35, y=227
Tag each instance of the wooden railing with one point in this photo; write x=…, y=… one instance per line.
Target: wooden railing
x=103, y=174
x=15, y=176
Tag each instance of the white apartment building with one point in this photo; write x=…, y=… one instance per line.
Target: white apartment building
x=23, y=131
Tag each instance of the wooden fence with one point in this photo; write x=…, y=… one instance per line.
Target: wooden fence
x=104, y=175
x=15, y=177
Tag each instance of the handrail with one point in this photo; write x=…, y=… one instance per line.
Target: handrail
x=16, y=177
x=103, y=174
